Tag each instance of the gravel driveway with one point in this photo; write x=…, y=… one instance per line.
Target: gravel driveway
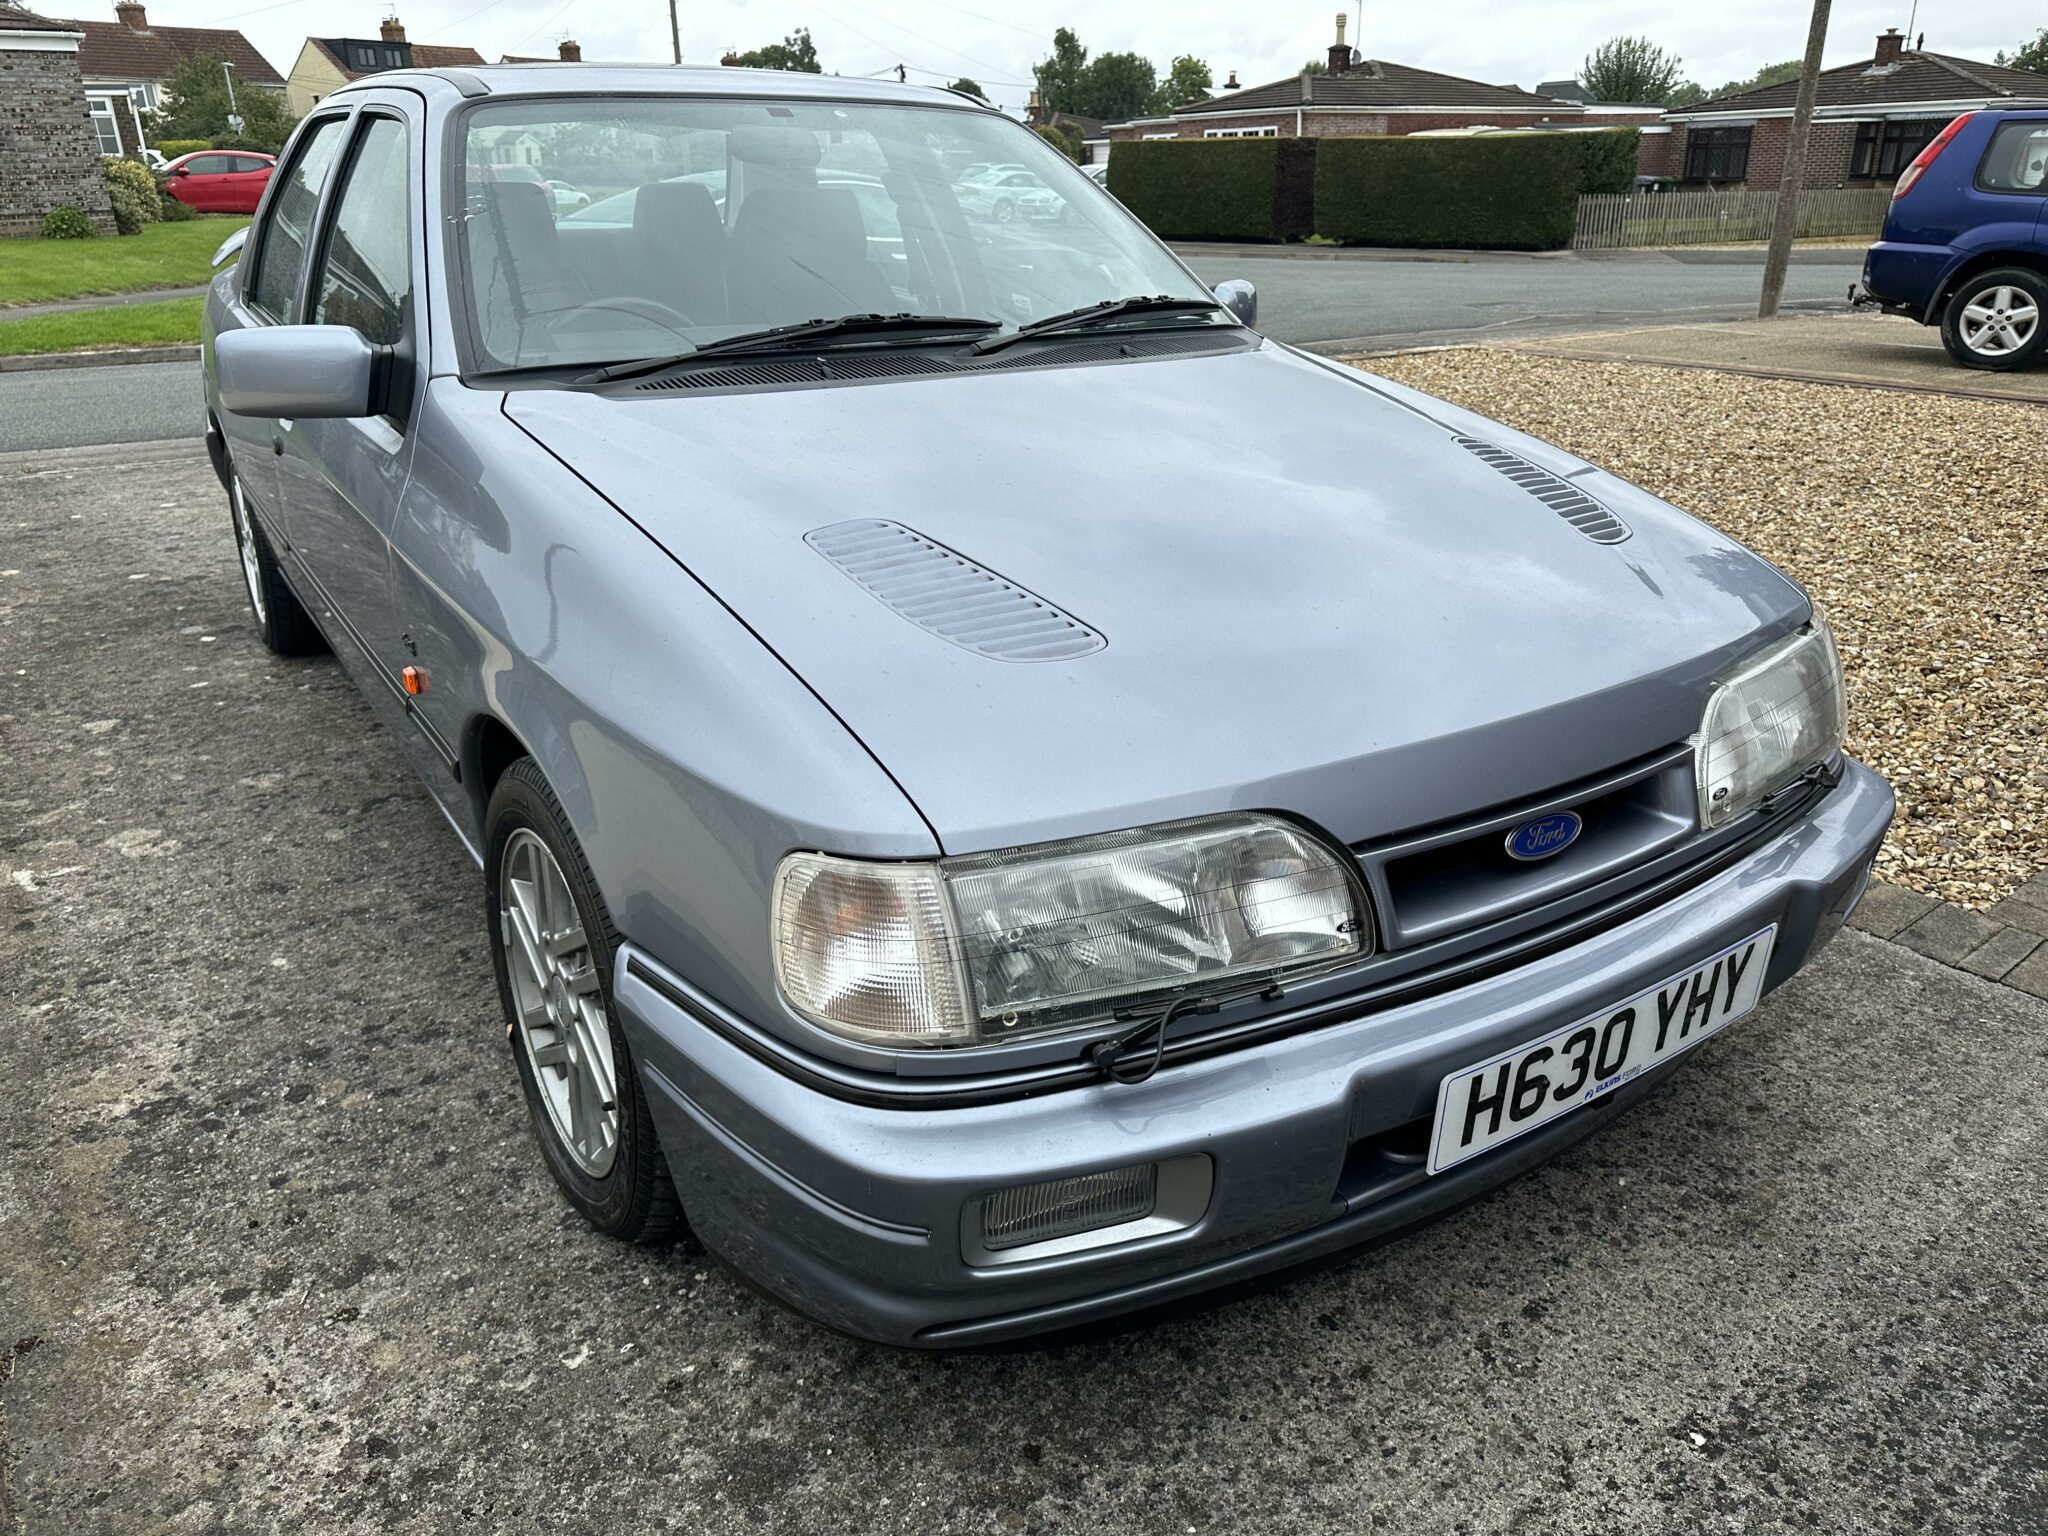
x=1917, y=520
x=277, y=1255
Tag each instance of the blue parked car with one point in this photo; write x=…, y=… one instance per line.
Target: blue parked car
x=1965, y=246
x=979, y=881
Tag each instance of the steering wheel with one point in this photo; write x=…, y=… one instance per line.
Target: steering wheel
x=643, y=309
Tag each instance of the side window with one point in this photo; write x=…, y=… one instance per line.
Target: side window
x=2017, y=160
x=249, y=163
x=365, y=276
x=209, y=165
x=282, y=249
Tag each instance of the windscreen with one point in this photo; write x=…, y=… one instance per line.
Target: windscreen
x=601, y=230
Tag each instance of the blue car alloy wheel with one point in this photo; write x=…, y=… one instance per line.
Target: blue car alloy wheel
x=1545, y=837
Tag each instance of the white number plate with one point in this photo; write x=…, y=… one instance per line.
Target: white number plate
x=1480, y=1107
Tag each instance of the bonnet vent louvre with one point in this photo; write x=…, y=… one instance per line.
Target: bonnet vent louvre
x=950, y=596
x=1590, y=517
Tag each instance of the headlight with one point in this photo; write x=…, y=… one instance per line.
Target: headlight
x=991, y=947
x=1770, y=722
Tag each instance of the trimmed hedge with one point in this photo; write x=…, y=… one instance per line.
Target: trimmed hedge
x=1607, y=159
x=1216, y=189
x=170, y=149
x=1515, y=192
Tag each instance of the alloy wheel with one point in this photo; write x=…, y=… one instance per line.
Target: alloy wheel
x=559, y=1012
x=245, y=543
x=1999, y=321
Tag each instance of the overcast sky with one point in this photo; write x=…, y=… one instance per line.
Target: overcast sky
x=997, y=41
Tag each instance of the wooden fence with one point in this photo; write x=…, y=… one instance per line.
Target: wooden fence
x=1614, y=220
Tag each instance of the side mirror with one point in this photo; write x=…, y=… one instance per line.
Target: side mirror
x=232, y=246
x=1240, y=298
x=314, y=372
x=183, y=170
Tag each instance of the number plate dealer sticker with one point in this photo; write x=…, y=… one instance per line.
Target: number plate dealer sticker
x=1479, y=1107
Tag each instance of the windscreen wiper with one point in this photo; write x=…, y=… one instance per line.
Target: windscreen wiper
x=1096, y=314
x=777, y=338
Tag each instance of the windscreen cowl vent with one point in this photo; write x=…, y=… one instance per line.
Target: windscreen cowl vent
x=802, y=370
x=948, y=595
x=1590, y=517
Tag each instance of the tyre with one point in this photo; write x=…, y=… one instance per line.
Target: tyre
x=552, y=944
x=281, y=620
x=1994, y=321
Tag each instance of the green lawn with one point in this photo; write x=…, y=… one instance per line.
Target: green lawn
x=122, y=325
x=162, y=256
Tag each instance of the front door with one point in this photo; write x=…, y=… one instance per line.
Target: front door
x=206, y=178
x=341, y=479
x=266, y=292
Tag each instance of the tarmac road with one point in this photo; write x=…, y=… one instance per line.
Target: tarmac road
x=277, y=1253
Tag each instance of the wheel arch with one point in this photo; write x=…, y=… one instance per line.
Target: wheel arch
x=1983, y=261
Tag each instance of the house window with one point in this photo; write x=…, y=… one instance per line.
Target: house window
x=1886, y=148
x=105, y=125
x=1268, y=132
x=143, y=96
x=367, y=58
x=1162, y=135
x=1717, y=154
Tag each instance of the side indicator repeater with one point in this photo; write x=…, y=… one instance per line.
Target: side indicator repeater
x=415, y=680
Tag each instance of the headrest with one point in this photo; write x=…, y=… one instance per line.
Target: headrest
x=771, y=144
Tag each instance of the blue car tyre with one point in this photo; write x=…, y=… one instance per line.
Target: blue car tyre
x=552, y=945
x=1994, y=320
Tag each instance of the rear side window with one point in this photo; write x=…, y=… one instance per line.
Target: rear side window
x=366, y=275
x=282, y=253
x=2017, y=160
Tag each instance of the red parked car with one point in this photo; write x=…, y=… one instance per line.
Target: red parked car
x=220, y=180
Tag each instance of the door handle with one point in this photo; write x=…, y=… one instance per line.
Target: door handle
x=276, y=444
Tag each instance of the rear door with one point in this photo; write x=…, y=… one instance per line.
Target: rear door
x=266, y=292
x=343, y=478
x=242, y=188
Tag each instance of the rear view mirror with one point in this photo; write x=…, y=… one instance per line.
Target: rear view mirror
x=313, y=372
x=1240, y=298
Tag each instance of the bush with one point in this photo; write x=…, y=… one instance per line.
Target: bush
x=170, y=149
x=1607, y=159
x=1502, y=192
x=1216, y=189
x=133, y=192
x=173, y=211
x=66, y=222
x=1061, y=138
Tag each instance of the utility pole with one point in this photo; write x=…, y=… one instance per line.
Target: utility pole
x=675, y=35
x=1785, y=223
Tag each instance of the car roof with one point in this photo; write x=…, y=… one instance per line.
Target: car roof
x=501, y=80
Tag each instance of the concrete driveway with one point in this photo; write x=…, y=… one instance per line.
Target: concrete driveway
x=276, y=1253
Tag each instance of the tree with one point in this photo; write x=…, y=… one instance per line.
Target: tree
x=1062, y=137
x=967, y=85
x=1689, y=93
x=1316, y=67
x=195, y=106
x=1060, y=77
x=1117, y=86
x=795, y=51
x=1630, y=69
x=2033, y=55
x=1188, y=80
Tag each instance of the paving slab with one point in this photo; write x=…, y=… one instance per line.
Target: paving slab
x=277, y=1253
x=1881, y=351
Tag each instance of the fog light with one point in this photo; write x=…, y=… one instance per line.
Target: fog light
x=1040, y=1213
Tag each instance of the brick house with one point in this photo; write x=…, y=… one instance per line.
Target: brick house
x=126, y=62
x=46, y=136
x=325, y=64
x=1357, y=96
x=1870, y=120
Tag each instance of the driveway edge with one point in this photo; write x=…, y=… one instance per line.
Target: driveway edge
x=101, y=358
x=2006, y=943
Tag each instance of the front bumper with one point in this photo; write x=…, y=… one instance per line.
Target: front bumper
x=853, y=1212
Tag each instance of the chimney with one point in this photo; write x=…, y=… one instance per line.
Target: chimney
x=132, y=16
x=731, y=58
x=1340, y=51
x=571, y=52
x=1231, y=84
x=1890, y=43
x=392, y=30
